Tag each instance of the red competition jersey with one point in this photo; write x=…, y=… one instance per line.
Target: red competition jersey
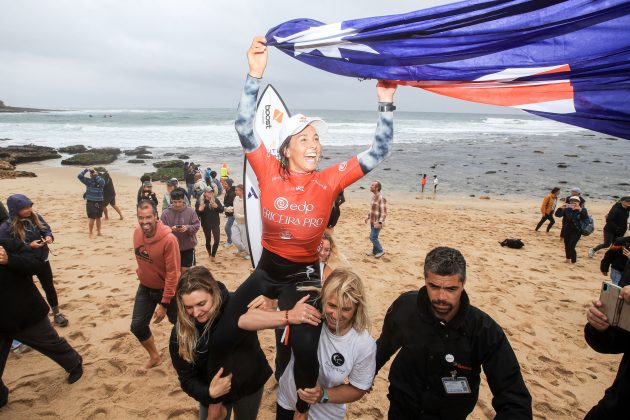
x=295, y=209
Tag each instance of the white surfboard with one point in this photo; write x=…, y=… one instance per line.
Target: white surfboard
x=270, y=113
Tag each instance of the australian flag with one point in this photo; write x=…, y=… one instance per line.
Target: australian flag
x=565, y=60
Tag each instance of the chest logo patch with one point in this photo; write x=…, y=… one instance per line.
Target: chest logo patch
x=337, y=359
x=281, y=203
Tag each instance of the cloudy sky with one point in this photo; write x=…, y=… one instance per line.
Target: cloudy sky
x=177, y=54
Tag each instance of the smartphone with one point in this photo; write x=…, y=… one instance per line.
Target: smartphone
x=178, y=226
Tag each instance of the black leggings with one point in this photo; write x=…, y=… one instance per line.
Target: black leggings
x=609, y=238
x=277, y=277
x=283, y=414
x=45, y=277
x=549, y=217
x=571, y=238
x=215, y=232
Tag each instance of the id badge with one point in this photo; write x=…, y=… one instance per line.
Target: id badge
x=458, y=385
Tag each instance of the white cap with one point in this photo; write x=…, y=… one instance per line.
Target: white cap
x=297, y=123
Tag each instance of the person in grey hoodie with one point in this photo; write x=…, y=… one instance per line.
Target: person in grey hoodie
x=30, y=227
x=184, y=223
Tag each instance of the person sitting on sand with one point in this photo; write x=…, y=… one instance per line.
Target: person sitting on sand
x=606, y=339
x=158, y=258
x=346, y=352
x=572, y=213
x=31, y=228
x=24, y=313
x=442, y=343
x=201, y=305
x=94, y=198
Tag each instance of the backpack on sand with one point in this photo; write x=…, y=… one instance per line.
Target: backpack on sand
x=513, y=243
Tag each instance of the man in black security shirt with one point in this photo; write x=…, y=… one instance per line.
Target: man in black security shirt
x=444, y=341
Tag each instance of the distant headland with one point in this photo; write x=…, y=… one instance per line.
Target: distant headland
x=4, y=108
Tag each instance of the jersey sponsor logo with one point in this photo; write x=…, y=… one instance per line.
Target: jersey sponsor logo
x=337, y=359
x=319, y=184
x=267, y=116
x=343, y=166
x=278, y=115
x=284, y=219
x=252, y=193
x=282, y=204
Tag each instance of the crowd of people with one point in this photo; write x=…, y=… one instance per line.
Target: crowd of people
x=325, y=354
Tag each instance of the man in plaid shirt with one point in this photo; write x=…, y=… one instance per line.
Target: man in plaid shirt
x=376, y=217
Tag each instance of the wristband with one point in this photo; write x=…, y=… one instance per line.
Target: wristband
x=285, y=335
x=164, y=305
x=325, y=397
x=386, y=107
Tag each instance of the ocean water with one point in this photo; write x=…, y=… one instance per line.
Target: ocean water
x=472, y=154
x=195, y=128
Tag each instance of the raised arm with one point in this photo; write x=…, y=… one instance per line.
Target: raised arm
x=244, y=124
x=381, y=147
x=259, y=319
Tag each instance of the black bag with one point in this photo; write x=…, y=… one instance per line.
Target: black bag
x=513, y=243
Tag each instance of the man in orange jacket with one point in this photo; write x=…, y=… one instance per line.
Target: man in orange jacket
x=547, y=208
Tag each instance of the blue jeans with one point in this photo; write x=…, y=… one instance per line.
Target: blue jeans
x=228, y=228
x=376, y=245
x=615, y=276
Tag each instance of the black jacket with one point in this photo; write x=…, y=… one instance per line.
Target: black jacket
x=617, y=220
x=228, y=200
x=246, y=361
x=615, y=404
x=21, y=304
x=209, y=217
x=4, y=214
x=472, y=337
x=572, y=219
x=614, y=256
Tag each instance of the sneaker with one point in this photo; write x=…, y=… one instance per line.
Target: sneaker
x=76, y=372
x=246, y=256
x=591, y=252
x=227, y=244
x=369, y=254
x=60, y=320
x=379, y=254
x=21, y=349
x=238, y=251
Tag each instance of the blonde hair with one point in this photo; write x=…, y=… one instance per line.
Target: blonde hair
x=346, y=286
x=197, y=278
x=328, y=237
x=17, y=224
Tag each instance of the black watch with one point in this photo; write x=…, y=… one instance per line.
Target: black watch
x=386, y=107
x=164, y=305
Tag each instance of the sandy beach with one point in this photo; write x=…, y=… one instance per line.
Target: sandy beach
x=537, y=298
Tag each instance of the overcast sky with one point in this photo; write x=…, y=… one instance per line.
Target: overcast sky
x=178, y=54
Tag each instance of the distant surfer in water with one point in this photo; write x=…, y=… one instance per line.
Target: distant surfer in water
x=296, y=200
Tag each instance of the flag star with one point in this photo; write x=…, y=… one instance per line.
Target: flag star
x=327, y=39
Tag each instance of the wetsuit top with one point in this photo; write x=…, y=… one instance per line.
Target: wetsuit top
x=295, y=208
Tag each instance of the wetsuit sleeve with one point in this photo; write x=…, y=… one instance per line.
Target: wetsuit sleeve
x=389, y=342
x=246, y=112
x=611, y=341
x=189, y=378
x=510, y=398
x=381, y=147
x=172, y=260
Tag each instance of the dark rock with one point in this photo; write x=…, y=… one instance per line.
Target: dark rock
x=539, y=152
x=78, y=148
x=4, y=108
x=137, y=151
x=562, y=182
x=15, y=174
x=491, y=172
x=623, y=184
x=106, y=150
x=571, y=155
x=169, y=154
x=135, y=161
x=387, y=169
x=90, y=158
x=143, y=156
x=183, y=156
x=175, y=163
x=4, y=139
x=562, y=165
x=597, y=161
x=6, y=166
x=29, y=153
x=610, y=138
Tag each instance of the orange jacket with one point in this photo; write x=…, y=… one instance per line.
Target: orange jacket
x=548, y=204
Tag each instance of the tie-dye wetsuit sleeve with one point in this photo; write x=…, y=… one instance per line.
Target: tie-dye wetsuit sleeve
x=246, y=113
x=382, y=145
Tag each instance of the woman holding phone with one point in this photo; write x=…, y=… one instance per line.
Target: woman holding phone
x=574, y=214
x=31, y=228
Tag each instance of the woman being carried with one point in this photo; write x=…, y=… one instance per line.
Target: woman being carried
x=296, y=200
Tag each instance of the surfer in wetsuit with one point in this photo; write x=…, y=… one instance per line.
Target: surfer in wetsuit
x=296, y=200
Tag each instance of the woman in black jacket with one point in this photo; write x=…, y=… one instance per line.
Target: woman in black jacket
x=574, y=214
x=235, y=382
x=208, y=208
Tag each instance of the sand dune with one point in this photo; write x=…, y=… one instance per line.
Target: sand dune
x=538, y=299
